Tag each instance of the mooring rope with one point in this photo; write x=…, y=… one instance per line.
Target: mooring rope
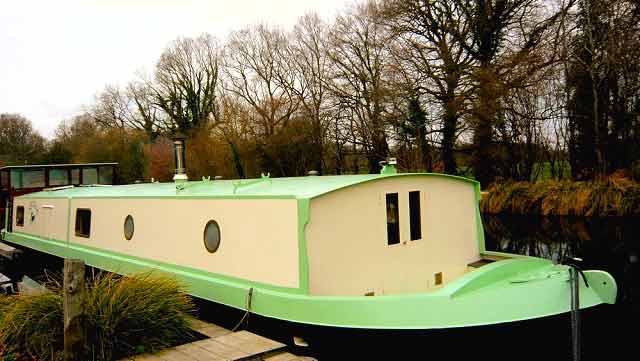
x=247, y=310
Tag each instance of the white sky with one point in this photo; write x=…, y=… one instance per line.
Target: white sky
x=55, y=55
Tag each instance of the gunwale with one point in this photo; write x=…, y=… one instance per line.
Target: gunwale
x=491, y=294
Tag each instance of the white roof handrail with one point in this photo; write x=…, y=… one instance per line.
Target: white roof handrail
x=53, y=189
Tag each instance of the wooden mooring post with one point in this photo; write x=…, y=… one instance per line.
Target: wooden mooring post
x=75, y=333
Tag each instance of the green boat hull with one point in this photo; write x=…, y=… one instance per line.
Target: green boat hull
x=508, y=290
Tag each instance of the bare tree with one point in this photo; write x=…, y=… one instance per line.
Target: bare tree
x=603, y=86
x=430, y=34
x=258, y=70
x=308, y=52
x=148, y=116
x=360, y=59
x=186, y=82
x=131, y=108
x=504, y=33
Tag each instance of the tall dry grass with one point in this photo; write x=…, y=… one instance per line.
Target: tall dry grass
x=32, y=325
x=611, y=197
x=125, y=315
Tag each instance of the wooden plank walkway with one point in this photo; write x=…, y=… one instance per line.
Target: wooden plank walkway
x=223, y=344
x=208, y=329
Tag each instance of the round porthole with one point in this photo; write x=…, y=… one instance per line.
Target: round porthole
x=212, y=236
x=128, y=227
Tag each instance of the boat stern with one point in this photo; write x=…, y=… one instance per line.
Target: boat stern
x=603, y=285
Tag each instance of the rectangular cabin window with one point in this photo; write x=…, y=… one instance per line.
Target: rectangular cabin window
x=89, y=176
x=33, y=178
x=20, y=216
x=414, y=215
x=393, y=224
x=83, y=222
x=58, y=177
x=16, y=178
x=75, y=176
x=105, y=175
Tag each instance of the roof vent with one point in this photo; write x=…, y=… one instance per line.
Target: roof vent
x=180, y=159
x=389, y=166
x=313, y=173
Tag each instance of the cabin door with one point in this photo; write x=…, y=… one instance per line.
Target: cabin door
x=47, y=219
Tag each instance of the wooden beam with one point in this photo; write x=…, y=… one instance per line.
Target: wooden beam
x=75, y=333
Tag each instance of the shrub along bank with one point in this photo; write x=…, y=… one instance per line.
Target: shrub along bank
x=611, y=197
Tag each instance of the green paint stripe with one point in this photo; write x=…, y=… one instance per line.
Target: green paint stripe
x=490, y=299
x=303, y=263
x=479, y=227
x=68, y=219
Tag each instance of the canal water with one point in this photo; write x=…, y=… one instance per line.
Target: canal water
x=607, y=243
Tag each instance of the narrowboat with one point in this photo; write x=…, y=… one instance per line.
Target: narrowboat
x=376, y=251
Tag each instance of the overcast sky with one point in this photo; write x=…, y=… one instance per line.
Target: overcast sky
x=55, y=55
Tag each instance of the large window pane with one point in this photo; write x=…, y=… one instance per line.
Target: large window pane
x=89, y=176
x=16, y=178
x=58, y=177
x=33, y=178
x=106, y=175
x=75, y=176
x=4, y=179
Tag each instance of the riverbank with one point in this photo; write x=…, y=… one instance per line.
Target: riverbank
x=611, y=197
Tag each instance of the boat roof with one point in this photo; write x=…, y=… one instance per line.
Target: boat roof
x=265, y=187
x=71, y=165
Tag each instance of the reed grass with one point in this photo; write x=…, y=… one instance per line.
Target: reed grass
x=125, y=315
x=33, y=326
x=142, y=312
x=610, y=197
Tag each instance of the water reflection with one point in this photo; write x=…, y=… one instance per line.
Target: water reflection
x=607, y=243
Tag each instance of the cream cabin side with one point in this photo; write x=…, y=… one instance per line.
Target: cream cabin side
x=46, y=218
x=258, y=238
x=400, y=234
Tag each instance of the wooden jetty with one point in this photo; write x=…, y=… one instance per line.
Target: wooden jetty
x=223, y=344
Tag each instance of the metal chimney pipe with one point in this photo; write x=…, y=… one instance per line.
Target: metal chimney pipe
x=180, y=159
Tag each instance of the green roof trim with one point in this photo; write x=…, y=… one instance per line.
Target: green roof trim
x=265, y=187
